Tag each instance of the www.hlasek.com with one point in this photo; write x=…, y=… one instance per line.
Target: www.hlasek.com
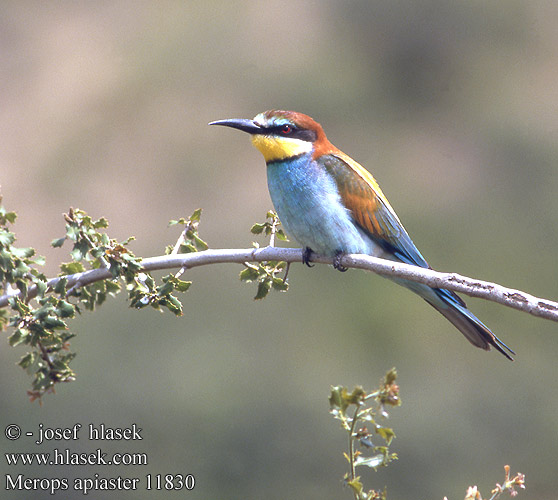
x=66, y=457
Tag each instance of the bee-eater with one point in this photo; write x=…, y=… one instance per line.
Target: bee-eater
x=333, y=206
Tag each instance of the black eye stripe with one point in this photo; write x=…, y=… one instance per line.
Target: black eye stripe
x=295, y=133
x=280, y=129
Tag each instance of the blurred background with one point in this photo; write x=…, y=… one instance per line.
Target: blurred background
x=454, y=108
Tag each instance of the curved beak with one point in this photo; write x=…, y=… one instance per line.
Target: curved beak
x=243, y=124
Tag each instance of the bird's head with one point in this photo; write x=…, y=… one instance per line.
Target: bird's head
x=280, y=135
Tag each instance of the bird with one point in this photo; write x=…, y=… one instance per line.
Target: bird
x=333, y=206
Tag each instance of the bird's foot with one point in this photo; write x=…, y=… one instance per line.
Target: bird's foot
x=307, y=256
x=337, y=261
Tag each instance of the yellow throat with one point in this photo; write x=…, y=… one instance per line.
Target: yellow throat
x=280, y=148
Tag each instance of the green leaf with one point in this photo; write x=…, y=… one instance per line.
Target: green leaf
x=6, y=238
x=101, y=223
x=65, y=309
x=258, y=228
x=72, y=267
x=182, y=286
x=40, y=260
x=115, y=269
x=8, y=216
x=199, y=243
x=23, y=253
x=280, y=235
x=72, y=232
x=19, y=336
x=187, y=248
x=44, y=311
x=41, y=287
x=21, y=269
x=196, y=216
x=335, y=398
x=391, y=376
x=174, y=305
x=80, y=250
x=27, y=360
x=386, y=433
x=177, y=284
x=58, y=242
x=60, y=287
x=280, y=284
x=249, y=274
x=356, y=486
x=356, y=396
x=98, y=251
x=112, y=287
x=18, y=306
x=263, y=289
x=148, y=280
x=173, y=222
x=165, y=289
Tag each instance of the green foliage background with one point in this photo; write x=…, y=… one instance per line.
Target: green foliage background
x=452, y=105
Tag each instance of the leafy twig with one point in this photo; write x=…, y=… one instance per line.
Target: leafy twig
x=100, y=267
x=509, y=485
x=267, y=273
x=367, y=409
x=509, y=297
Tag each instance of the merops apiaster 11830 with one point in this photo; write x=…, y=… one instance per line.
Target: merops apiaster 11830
x=332, y=206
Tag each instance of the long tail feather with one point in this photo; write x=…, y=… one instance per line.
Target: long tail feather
x=455, y=310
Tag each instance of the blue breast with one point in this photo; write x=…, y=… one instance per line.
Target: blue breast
x=307, y=201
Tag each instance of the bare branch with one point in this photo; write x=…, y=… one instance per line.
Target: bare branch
x=515, y=299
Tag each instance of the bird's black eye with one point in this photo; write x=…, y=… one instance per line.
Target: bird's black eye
x=286, y=129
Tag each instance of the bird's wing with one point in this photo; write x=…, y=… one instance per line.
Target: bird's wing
x=370, y=209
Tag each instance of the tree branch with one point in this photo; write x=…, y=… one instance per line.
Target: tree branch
x=515, y=299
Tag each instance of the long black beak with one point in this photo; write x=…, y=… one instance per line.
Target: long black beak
x=243, y=124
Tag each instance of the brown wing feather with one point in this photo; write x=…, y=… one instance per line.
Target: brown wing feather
x=370, y=208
